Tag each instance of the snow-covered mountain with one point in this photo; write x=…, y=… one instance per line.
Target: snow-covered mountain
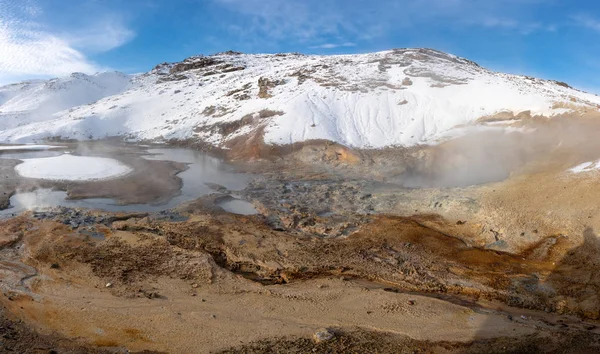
x=397, y=97
x=36, y=101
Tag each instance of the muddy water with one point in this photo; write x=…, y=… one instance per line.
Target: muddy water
x=31, y=154
x=203, y=172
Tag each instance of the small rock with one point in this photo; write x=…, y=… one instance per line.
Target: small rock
x=109, y=285
x=213, y=316
x=323, y=335
x=151, y=294
x=54, y=266
x=412, y=302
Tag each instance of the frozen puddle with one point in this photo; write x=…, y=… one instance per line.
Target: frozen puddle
x=72, y=168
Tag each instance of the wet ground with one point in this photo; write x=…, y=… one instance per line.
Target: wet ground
x=327, y=238
x=162, y=179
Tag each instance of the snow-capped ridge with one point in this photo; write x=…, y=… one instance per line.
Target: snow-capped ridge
x=36, y=101
x=403, y=97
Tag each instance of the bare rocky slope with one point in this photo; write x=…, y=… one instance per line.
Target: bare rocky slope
x=401, y=97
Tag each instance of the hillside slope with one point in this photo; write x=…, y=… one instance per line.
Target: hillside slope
x=36, y=101
x=398, y=97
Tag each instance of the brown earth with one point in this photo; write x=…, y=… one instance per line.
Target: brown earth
x=509, y=266
x=151, y=182
x=217, y=280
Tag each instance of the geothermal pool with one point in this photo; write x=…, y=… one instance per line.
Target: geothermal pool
x=203, y=171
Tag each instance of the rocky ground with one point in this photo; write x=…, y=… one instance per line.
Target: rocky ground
x=342, y=258
x=217, y=280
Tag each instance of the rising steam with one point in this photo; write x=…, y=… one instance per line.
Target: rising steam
x=493, y=155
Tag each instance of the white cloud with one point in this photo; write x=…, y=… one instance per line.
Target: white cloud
x=102, y=36
x=32, y=10
x=587, y=22
x=334, y=45
x=498, y=22
x=277, y=20
x=32, y=49
x=310, y=21
x=30, y=53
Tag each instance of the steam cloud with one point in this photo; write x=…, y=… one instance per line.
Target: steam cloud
x=489, y=156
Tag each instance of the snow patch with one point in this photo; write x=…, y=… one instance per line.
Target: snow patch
x=586, y=167
x=72, y=168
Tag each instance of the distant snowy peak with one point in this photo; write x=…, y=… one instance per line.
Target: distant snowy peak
x=51, y=96
x=397, y=97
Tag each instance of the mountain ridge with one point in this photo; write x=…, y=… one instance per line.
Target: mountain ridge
x=399, y=97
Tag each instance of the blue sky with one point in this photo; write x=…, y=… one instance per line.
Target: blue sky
x=555, y=39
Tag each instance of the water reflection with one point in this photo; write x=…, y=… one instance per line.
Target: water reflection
x=30, y=154
x=202, y=170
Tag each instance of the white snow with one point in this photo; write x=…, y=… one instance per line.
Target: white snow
x=356, y=100
x=27, y=103
x=29, y=147
x=69, y=167
x=586, y=167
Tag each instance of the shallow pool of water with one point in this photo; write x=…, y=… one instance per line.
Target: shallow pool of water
x=30, y=154
x=202, y=170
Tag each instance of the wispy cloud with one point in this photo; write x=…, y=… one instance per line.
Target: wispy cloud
x=31, y=48
x=518, y=16
x=328, y=21
x=522, y=27
x=103, y=35
x=333, y=45
x=586, y=21
x=278, y=19
x=27, y=52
